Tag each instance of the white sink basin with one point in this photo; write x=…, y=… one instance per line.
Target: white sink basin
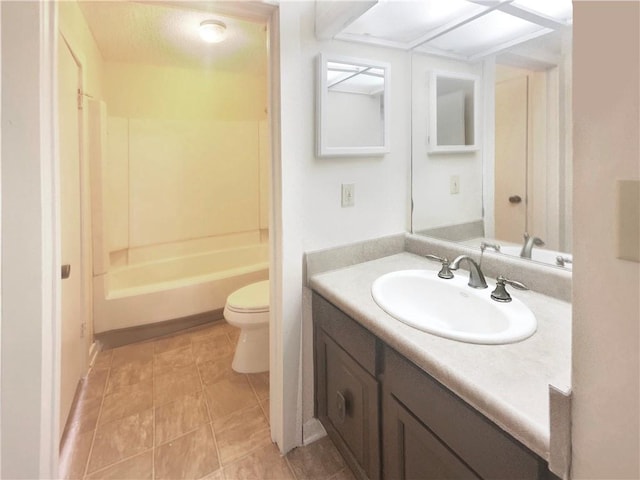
x=452, y=309
x=538, y=254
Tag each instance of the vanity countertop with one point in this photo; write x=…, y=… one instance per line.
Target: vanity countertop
x=509, y=383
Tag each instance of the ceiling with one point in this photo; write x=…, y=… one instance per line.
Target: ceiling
x=462, y=29
x=166, y=33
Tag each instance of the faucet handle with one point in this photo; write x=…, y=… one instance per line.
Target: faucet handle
x=485, y=245
x=444, y=272
x=561, y=261
x=500, y=294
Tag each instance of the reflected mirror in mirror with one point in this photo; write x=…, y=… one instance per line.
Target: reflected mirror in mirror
x=523, y=186
x=352, y=107
x=454, y=117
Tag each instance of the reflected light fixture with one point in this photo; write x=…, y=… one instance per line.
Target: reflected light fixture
x=213, y=31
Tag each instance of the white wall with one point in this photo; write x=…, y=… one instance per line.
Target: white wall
x=606, y=310
x=312, y=217
x=30, y=295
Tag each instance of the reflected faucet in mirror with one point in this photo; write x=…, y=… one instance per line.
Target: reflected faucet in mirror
x=529, y=242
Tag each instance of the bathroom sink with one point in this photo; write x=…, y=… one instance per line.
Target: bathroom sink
x=538, y=254
x=452, y=309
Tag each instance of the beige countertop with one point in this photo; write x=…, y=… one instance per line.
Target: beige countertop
x=507, y=383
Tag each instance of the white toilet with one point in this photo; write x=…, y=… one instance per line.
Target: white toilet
x=248, y=309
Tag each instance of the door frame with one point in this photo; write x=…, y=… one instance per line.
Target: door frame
x=85, y=267
x=30, y=256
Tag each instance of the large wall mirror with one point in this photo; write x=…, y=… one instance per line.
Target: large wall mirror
x=518, y=181
x=452, y=118
x=352, y=106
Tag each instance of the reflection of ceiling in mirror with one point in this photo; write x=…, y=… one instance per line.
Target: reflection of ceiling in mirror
x=345, y=77
x=462, y=29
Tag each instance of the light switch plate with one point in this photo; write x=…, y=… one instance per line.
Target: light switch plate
x=628, y=219
x=454, y=184
x=348, y=194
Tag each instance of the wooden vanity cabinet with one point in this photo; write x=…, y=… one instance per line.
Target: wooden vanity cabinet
x=347, y=393
x=392, y=420
x=430, y=433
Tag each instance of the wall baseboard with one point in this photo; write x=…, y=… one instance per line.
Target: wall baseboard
x=125, y=336
x=312, y=430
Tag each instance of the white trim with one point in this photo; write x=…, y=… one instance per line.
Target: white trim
x=322, y=120
x=51, y=300
x=312, y=430
x=0, y=239
x=276, y=383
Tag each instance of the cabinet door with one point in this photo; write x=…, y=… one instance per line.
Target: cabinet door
x=347, y=405
x=413, y=452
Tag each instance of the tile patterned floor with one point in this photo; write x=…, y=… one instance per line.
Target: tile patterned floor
x=173, y=408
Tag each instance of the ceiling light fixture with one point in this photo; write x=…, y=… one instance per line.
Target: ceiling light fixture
x=213, y=31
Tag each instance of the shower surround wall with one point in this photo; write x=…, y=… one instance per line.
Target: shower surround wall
x=186, y=173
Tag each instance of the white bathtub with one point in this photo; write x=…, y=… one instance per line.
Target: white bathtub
x=174, y=288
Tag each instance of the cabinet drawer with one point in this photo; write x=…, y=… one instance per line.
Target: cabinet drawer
x=353, y=338
x=485, y=448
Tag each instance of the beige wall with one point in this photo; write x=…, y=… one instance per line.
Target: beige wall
x=187, y=162
x=606, y=332
x=148, y=91
x=76, y=32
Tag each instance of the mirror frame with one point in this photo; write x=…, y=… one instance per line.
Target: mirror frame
x=433, y=146
x=325, y=150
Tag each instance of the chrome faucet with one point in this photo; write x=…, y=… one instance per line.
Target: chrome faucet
x=484, y=245
x=529, y=243
x=562, y=261
x=476, y=277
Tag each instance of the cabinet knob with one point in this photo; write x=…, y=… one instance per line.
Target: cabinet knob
x=515, y=199
x=341, y=405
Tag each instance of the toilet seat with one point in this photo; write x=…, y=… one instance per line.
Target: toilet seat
x=253, y=298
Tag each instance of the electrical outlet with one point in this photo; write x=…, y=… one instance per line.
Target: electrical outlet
x=454, y=184
x=348, y=194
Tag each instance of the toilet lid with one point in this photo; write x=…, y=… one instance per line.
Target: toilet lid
x=252, y=298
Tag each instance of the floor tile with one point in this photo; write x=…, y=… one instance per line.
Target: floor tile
x=171, y=343
x=136, y=352
x=217, y=475
x=93, y=386
x=213, y=371
x=217, y=329
x=172, y=360
x=157, y=405
x=126, y=401
x=139, y=467
x=320, y=460
x=180, y=416
x=190, y=456
x=265, y=463
x=264, y=404
x=211, y=348
x=120, y=439
x=260, y=383
x=344, y=474
x=136, y=371
x=182, y=381
x=229, y=395
x=241, y=433
x=103, y=359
